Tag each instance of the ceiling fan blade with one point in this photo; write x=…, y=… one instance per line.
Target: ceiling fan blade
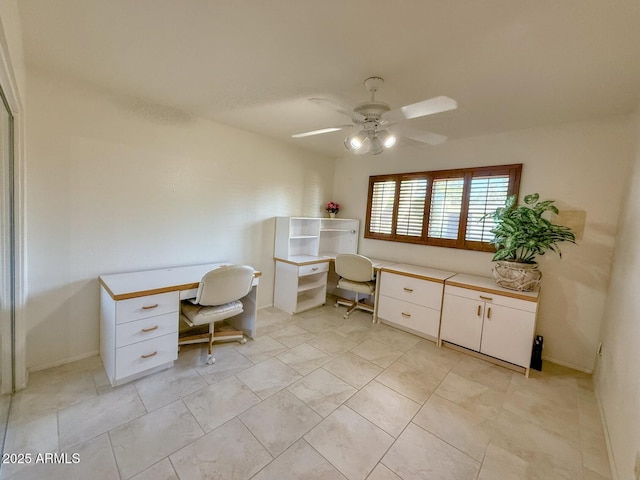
x=423, y=108
x=320, y=131
x=343, y=109
x=419, y=135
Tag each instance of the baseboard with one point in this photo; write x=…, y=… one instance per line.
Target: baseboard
x=607, y=439
x=22, y=386
x=567, y=364
x=64, y=362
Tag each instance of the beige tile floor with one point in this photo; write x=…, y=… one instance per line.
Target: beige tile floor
x=313, y=397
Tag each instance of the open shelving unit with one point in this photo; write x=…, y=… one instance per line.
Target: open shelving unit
x=304, y=246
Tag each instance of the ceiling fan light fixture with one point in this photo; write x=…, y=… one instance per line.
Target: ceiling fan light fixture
x=390, y=141
x=355, y=142
x=387, y=139
x=376, y=146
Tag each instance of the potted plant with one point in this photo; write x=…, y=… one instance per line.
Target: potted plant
x=521, y=234
x=332, y=208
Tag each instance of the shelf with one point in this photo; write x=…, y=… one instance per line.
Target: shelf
x=351, y=230
x=305, y=302
x=311, y=282
x=301, y=237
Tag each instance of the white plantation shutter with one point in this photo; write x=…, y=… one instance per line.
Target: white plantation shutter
x=446, y=204
x=487, y=194
x=382, y=199
x=411, y=207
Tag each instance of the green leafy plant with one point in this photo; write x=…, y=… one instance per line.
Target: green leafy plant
x=521, y=233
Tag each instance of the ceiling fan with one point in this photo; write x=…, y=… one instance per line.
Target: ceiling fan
x=378, y=123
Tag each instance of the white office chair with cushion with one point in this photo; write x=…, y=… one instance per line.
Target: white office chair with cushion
x=356, y=275
x=218, y=298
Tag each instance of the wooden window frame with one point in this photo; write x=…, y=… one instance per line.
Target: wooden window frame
x=514, y=171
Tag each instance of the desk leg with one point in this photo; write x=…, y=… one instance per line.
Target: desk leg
x=375, y=300
x=246, y=321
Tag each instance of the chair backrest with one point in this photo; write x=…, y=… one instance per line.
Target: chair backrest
x=356, y=268
x=224, y=285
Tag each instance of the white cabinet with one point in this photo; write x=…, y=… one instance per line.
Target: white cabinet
x=410, y=298
x=138, y=335
x=304, y=247
x=300, y=287
x=480, y=316
x=300, y=237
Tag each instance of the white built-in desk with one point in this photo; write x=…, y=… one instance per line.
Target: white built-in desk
x=139, y=314
x=467, y=312
x=301, y=281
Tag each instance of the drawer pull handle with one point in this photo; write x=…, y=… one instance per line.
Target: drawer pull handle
x=489, y=312
x=150, y=307
x=486, y=298
x=408, y=290
x=149, y=355
x=406, y=314
x=479, y=309
x=147, y=330
x=314, y=269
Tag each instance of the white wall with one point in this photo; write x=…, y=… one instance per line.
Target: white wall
x=580, y=165
x=617, y=378
x=117, y=185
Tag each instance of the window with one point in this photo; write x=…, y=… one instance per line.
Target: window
x=381, y=207
x=446, y=205
x=446, y=208
x=411, y=207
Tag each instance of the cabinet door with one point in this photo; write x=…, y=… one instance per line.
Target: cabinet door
x=508, y=334
x=462, y=321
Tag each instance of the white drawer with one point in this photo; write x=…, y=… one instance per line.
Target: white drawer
x=409, y=315
x=186, y=294
x=313, y=269
x=145, y=355
x=149, y=306
x=517, y=303
x=146, y=328
x=411, y=289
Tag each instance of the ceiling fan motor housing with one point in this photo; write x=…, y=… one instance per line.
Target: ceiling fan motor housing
x=372, y=110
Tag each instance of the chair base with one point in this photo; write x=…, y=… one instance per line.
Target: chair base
x=210, y=339
x=353, y=305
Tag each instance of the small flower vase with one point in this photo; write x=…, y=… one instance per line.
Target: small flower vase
x=332, y=215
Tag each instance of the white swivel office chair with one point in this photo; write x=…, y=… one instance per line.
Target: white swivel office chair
x=218, y=299
x=356, y=275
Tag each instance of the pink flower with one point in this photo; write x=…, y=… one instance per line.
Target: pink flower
x=333, y=207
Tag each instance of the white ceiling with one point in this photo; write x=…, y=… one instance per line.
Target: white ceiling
x=252, y=64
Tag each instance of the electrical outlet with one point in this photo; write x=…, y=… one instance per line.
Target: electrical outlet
x=636, y=470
